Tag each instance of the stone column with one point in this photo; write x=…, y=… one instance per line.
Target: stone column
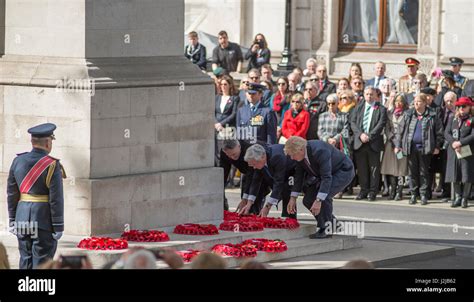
x=135, y=118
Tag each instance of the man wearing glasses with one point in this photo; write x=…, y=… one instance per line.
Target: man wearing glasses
x=326, y=87
x=315, y=106
x=35, y=199
x=254, y=76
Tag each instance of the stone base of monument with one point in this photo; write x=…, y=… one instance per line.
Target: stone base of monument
x=297, y=241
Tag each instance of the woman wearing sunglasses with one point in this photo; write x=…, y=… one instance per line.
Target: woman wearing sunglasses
x=460, y=137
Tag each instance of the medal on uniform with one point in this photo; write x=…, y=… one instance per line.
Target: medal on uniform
x=256, y=120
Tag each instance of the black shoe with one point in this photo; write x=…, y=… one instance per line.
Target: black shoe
x=456, y=202
x=385, y=193
x=412, y=199
x=361, y=196
x=464, y=203
x=398, y=197
x=424, y=200
x=371, y=197
x=320, y=235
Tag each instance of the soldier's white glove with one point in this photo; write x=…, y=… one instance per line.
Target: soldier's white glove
x=57, y=235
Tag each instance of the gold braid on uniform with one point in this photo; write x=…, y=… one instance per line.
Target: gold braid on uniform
x=51, y=169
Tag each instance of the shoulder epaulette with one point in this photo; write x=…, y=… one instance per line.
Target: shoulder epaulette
x=18, y=154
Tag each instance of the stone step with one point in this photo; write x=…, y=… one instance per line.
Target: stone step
x=296, y=248
x=297, y=241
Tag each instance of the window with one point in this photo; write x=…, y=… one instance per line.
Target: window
x=378, y=25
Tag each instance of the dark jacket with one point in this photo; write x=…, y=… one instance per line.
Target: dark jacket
x=276, y=173
x=315, y=107
x=226, y=163
x=432, y=131
x=197, y=56
x=459, y=170
x=49, y=215
x=325, y=162
x=377, y=124
x=230, y=111
x=328, y=88
x=257, y=60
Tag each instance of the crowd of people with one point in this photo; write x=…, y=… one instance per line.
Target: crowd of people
x=399, y=133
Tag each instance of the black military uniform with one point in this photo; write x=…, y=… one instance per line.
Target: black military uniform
x=458, y=78
x=35, y=201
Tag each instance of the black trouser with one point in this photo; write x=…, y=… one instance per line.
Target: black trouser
x=35, y=250
x=418, y=166
x=368, y=169
x=462, y=190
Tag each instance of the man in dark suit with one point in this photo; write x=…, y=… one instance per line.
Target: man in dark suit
x=232, y=154
x=315, y=106
x=35, y=199
x=326, y=87
x=256, y=122
x=274, y=169
x=379, y=75
x=322, y=172
x=367, y=123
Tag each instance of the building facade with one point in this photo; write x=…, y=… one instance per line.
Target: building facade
x=340, y=32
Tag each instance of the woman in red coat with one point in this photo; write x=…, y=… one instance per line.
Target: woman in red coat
x=296, y=120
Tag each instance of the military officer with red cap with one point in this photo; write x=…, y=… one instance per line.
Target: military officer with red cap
x=406, y=82
x=460, y=136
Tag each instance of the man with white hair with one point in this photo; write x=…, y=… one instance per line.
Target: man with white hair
x=141, y=259
x=271, y=168
x=322, y=172
x=315, y=106
x=387, y=86
x=379, y=69
x=311, y=65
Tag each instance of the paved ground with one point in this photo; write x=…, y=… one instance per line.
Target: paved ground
x=389, y=222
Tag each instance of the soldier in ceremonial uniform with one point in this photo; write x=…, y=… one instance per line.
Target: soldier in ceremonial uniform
x=255, y=119
x=406, y=82
x=456, y=65
x=35, y=199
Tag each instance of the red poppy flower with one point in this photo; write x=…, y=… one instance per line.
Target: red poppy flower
x=188, y=255
x=269, y=246
x=196, y=229
x=102, y=243
x=241, y=226
x=468, y=123
x=145, y=236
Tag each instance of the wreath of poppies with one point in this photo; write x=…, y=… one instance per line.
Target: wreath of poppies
x=241, y=226
x=102, y=243
x=268, y=222
x=278, y=223
x=196, y=229
x=145, y=236
x=268, y=246
x=188, y=255
x=235, y=250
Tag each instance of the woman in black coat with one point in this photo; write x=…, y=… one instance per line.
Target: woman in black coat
x=258, y=54
x=460, y=136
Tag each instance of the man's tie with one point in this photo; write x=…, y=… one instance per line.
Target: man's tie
x=365, y=123
x=321, y=85
x=376, y=83
x=253, y=108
